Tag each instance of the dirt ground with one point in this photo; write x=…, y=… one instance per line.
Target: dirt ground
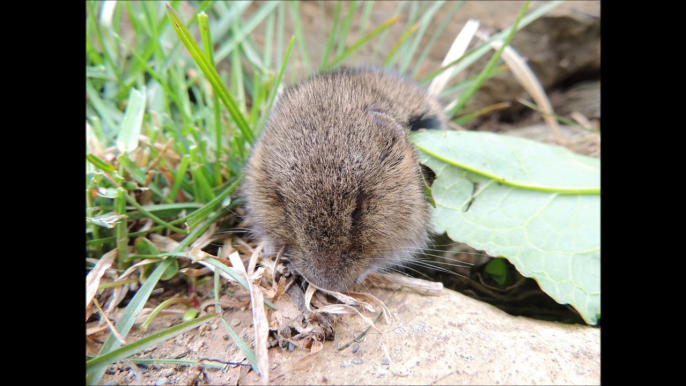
x=444, y=339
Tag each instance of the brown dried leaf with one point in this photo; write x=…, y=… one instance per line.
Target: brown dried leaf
x=94, y=276
x=163, y=243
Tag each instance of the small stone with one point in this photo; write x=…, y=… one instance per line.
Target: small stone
x=161, y=381
x=235, y=322
x=357, y=361
x=356, y=347
x=384, y=362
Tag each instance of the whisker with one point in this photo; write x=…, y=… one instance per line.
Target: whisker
x=419, y=272
x=462, y=265
x=391, y=269
x=426, y=265
x=455, y=252
x=445, y=258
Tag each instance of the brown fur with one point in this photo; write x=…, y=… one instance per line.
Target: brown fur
x=334, y=175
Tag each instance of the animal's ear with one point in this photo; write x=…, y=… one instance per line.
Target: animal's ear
x=385, y=121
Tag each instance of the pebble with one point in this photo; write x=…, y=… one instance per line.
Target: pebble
x=161, y=381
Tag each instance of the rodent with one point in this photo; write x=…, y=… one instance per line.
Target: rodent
x=335, y=177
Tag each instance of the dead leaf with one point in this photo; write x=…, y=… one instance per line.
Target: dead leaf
x=94, y=276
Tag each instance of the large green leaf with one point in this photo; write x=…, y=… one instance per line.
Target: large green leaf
x=536, y=205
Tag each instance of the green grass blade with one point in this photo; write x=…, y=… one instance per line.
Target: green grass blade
x=201, y=182
x=100, y=164
x=154, y=74
x=469, y=59
x=468, y=117
x=382, y=38
x=237, y=82
x=121, y=229
x=236, y=276
x=113, y=356
x=167, y=210
x=109, y=115
x=178, y=178
x=127, y=319
x=469, y=81
x=343, y=35
x=209, y=51
x=202, y=212
x=245, y=30
x=365, y=18
x=227, y=16
x=467, y=95
x=160, y=307
x=295, y=17
x=130, y=131
x=249, y=353
x=439, y=31
x=275, y=87
x=268, y=40
x=105, y=48
x=137, y=174
x=426, y=19
x=394, y=50
x=437, y=72
x=212, y=205
x=332, y=35
x=363, y=40
x=153, y=217
x=280, y=16
x=211, y=74
x=198, y=231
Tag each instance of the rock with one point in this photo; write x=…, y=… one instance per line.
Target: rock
x=450, y=339
x=583, y=97
x=562, y=48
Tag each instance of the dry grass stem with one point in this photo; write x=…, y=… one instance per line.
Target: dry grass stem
x=522, y=72
x=424, y=287
x=458, y=49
